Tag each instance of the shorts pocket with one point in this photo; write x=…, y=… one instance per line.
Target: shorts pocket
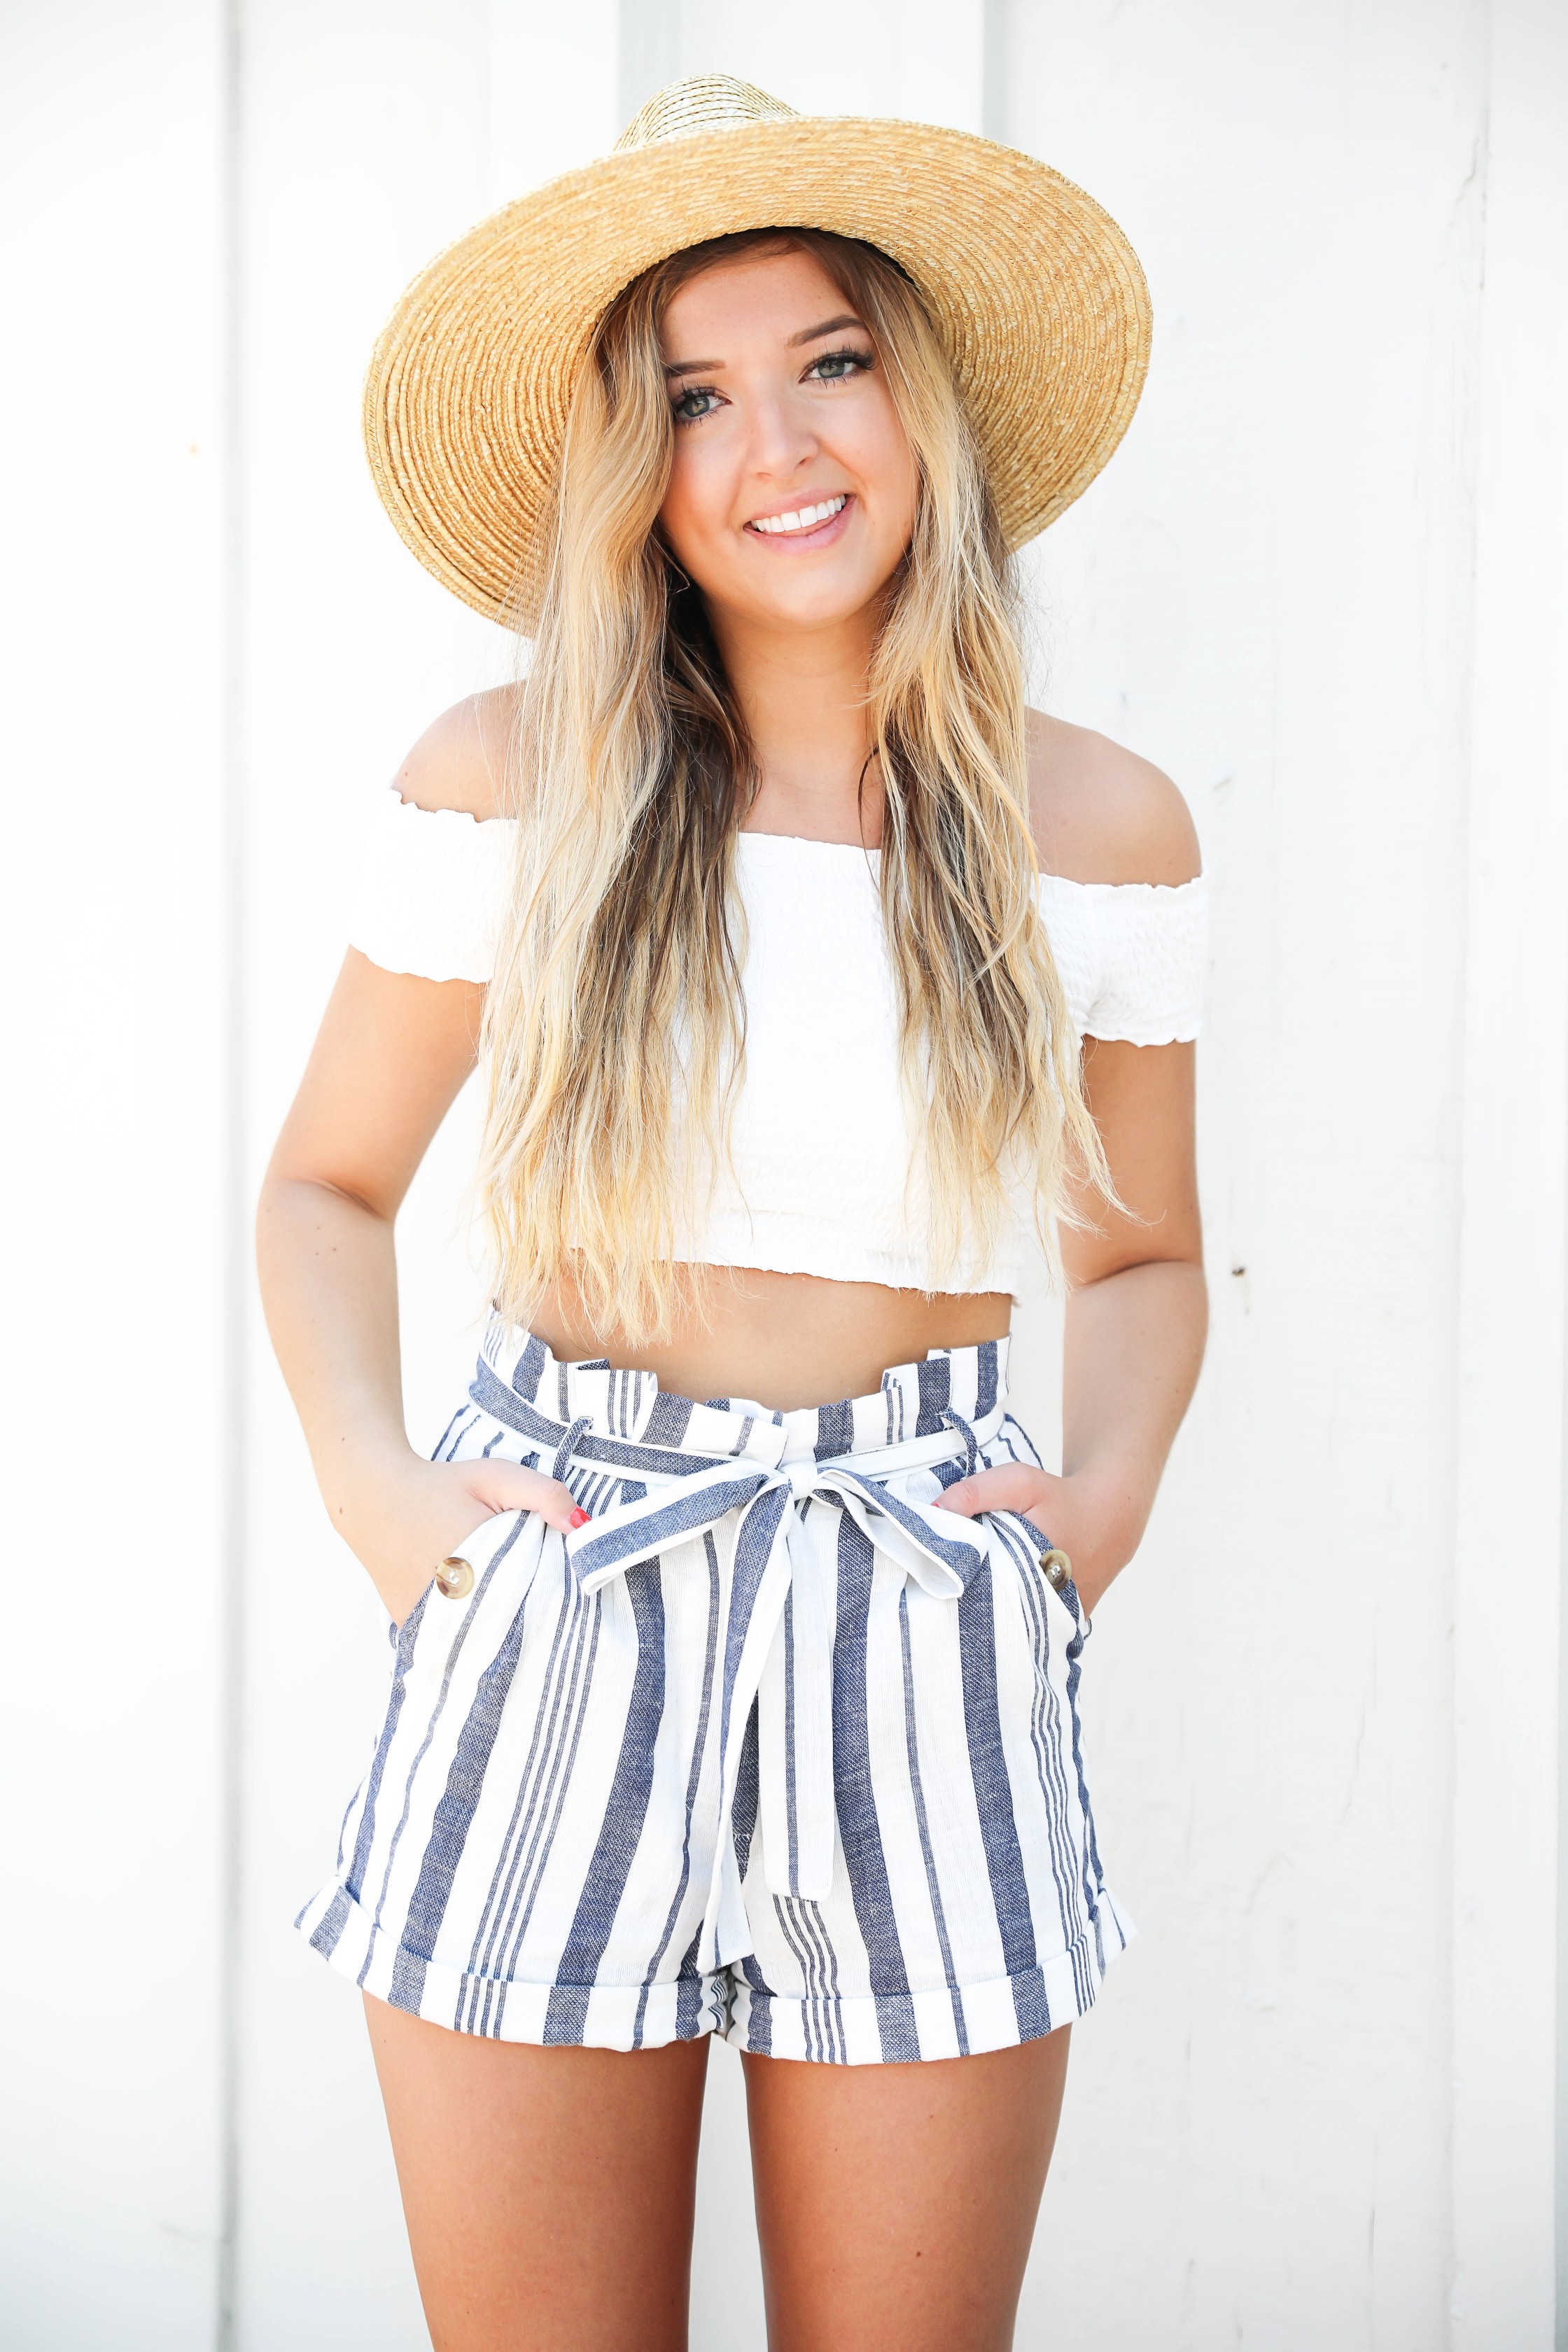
x=1056, y=1570
x=501, y=1554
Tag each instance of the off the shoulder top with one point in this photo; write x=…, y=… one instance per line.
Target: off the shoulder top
x=821, y=1143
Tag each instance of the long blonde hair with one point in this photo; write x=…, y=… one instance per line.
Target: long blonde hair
x=614, y=1024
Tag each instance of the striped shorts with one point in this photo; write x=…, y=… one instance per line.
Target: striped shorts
x=768, y=1749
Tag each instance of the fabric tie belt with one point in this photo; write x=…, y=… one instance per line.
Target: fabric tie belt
x=779, y=1620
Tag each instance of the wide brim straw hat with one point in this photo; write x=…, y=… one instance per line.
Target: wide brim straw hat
x=1034, y=292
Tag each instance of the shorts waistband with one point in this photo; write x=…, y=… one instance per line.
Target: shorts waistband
x=520, y=1381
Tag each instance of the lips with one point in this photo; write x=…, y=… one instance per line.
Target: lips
x=800, y=519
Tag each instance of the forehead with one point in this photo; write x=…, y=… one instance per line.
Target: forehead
x=754, y=295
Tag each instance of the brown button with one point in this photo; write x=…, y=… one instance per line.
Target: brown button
x=455, y=1578
x=1057, y=1567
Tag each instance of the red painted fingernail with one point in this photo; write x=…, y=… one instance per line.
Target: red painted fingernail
x=579, y=1519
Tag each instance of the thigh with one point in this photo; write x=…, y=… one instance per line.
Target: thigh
x=896, y=2204
x=549, y=2193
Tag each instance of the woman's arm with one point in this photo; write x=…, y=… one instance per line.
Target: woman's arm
x=392, y=1053
x=1137, y=1310
x=1137, y=1313
x=1136, y=1320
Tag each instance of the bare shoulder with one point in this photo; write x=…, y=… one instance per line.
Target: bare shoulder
x=1101, y=814
x=460, y=762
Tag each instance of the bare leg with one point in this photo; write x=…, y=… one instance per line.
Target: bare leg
x=896, y=2204
x=549, y=2193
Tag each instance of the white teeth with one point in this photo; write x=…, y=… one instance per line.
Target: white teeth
x=807, y=517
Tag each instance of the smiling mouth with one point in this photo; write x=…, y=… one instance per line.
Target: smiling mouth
x=810, y=518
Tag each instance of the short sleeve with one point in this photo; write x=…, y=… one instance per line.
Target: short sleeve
x=433, y=888
x=1133, y=956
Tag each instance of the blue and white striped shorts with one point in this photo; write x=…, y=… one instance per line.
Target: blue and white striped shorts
x=769, y=1748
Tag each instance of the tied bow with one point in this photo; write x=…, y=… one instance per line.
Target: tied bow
x=779, y=1624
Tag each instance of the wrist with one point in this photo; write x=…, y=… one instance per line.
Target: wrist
x=1103, y=1523
x=361, y=1477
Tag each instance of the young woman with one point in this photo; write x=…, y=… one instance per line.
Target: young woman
x=737, y=1629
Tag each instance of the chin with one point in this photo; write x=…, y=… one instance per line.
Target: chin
x=814, y=605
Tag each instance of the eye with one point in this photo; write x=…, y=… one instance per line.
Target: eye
x=697, y=400
x=838, y=367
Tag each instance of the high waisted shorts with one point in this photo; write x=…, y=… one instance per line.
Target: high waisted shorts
x=769, y=1748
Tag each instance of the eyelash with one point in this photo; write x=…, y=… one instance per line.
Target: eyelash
x=861, y=363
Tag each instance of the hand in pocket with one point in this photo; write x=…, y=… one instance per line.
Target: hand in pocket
x=415, y=1517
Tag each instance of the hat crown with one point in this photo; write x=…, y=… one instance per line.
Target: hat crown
x=701, y=102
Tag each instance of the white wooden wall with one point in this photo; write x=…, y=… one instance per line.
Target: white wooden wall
x=1324, y=585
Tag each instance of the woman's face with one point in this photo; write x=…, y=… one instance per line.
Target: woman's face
x=792, y=490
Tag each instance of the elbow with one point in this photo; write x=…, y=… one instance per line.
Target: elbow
x=296, y=1211
x=277, y=1228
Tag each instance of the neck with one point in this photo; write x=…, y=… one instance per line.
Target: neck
x=802, y=693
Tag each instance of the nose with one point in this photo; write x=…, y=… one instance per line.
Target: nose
x=784, y=438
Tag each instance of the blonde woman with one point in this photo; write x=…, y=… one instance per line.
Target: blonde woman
x=736, y=1629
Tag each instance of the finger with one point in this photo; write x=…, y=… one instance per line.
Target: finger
x=960, y=1497
x=1013, y=1487
x=508, y=1487
x=555, y=1503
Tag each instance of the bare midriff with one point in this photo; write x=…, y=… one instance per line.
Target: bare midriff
x=783, y=1339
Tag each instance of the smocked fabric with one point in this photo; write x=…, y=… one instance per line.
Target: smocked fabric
x=432, y=887
x=769, y=1748
x=819, y=1180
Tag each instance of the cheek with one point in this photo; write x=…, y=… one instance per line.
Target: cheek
x=907, y=496
x=888, y=468
x=691, y=512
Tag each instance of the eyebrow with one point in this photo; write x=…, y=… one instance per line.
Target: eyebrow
x=828, y=327
x=806, y=335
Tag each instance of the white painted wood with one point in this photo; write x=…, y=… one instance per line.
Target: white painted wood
x=940, y=64
x=819, y=55
x=365, y=137
x=921, y=58
x=1268, y=592
x=649, y=52
x=555, y=88
x=1316, y=2105
x=1509, y=1540
x=113, y=914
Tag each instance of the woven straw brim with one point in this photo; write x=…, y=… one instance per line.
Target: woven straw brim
x=1036, y=293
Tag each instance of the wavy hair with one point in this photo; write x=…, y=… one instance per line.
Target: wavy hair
x=615, y=1022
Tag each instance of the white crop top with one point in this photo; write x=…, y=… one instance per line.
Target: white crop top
x=821, y=1142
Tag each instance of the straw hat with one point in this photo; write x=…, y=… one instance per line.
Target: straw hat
x=1036, y=293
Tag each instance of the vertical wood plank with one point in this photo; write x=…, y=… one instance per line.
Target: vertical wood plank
x=366, y=133
x=115, y=1184
x=555, y=94
x=1268, y=592
x=1513, y=1326
x=650, y=50
x=941, y=70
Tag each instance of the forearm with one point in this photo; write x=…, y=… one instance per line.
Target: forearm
x=392, y=1053
x=329, y=1284
x=328, y=1281
x=1134, y=1343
